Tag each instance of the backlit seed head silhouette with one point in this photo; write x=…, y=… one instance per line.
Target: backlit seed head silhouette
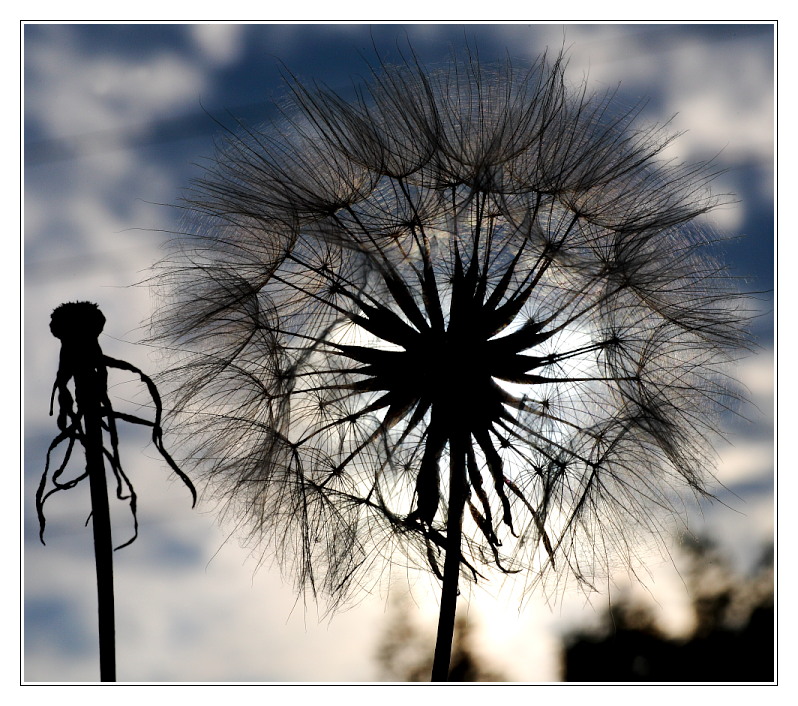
x=473, y=277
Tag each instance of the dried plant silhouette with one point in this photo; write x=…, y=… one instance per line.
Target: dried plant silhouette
x=460, y=321
x=83, y=418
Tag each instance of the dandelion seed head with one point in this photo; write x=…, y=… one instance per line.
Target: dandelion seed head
x=477, y=264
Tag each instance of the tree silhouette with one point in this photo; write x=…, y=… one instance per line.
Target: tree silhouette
x=732, y=639
x=406, y=652
x=465, y=320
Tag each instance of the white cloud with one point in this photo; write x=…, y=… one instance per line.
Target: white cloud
x=723, y=93
x=757, y=374
x=718, y=92
x=746, y=461
x=71, y=90
x=220, y=44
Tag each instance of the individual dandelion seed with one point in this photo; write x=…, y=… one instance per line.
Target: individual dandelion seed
x=465, y=321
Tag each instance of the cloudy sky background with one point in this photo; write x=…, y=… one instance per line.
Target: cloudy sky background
x=114, y=123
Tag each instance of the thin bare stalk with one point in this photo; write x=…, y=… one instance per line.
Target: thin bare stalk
x=451, y=566
x=89, y=392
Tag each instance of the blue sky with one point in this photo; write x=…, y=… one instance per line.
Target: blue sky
x=117, y=117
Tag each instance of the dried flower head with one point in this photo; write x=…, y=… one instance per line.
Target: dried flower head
x=463, y=314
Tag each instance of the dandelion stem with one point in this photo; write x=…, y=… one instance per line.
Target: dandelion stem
x=89, y=391
x=451, y=566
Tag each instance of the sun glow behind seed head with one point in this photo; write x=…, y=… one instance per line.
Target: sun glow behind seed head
x=503, y=301
x=547, y=396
